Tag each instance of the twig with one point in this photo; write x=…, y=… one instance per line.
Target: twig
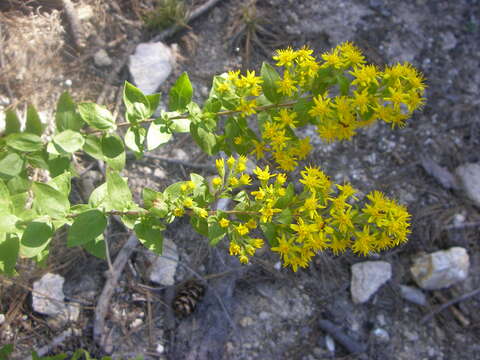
x=463, y=225
x=192, y=16
x=99, y=332
x=181, y=162
x=456, y=312
x=351, y=345
x=442, y=307
x=73, y=23
x=2, y=65
x=55, y=342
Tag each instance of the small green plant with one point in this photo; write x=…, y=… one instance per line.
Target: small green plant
x=167, y=13
x=338, y=93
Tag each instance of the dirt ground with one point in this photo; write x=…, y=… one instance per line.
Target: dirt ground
x=266, y=313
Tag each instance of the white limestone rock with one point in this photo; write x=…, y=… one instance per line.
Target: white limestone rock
x=367, y=277
x=441, y=269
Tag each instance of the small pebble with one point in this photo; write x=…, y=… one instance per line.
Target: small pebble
x=160, y=349
x=136, y=323
x=2, y=319
x=381, y=334
x=329, y=343
x=413, y=295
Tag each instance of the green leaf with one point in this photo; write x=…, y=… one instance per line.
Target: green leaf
x=199, y=224
x=113, y=151
x=96, y=247
x=7, y=223
x=35, y=238
x=12, y=123
x=24, y=142
x=38, y=159
x=9, y=248
x=180, y=125
x=322, y=81
x=97, y=116
x=287, y=198
x=136, y=103
x=11, y=165
x=86, y=227
x=5, y=351
x=57, y=165
x=204, y=137
x=215, y=231
x=5, y=202
x=18, y=184
x=157, y=135
x=153, y=101
x=66, y=116
x=343, y=84
x=270, y=232
x=62, y=183
x=69, y=141
x=149, y=233
x=180, y=94
x=98, y=196
x=135, y=138
x=93, y=147
x=34, y=124
x=49, y=201
x=285, y=217
x=269, y=85
x=118, y=192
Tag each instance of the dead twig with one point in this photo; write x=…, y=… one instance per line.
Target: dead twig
x=2, y=66
x=346, y=341
x=99, y=331
x=74, y=24
x=55, y=342
x=456, y=312
x=447, y=304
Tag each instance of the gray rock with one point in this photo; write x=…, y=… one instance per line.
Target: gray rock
x=381, y=335
x=367, y=277
x=101, y=58
x=48, y=299
x=50, y=285
x=150, y=66
x=441, y=269
x=163, y=267
x=413, y=294
x=449, y=41
x=469, y=175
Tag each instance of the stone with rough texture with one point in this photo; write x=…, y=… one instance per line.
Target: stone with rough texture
x=150, y=66
x=441, y=269
x=163, y=267
x=413, y=294
x=469, y=175
x=367, y=277
x=48, y=298
x=101, y=58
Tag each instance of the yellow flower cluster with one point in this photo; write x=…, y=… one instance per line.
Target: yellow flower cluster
x=340, y=93
x=319, y=218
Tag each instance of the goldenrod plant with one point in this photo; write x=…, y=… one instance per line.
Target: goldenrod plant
x=245, y=116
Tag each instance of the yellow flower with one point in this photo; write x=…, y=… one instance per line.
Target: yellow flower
x=188, y=202
x=230, y=162
x=284, y=246
x=267, y=213
x=361, y=100
x=285, y=57
x=365, y=75
x=263, y=175
x=234, y=248
x=242, y=163
x=287, y=161
x=259, y=195
x=286, y=86
x=223, y=87
x=247, y=107
x=237, y=140
x=257, y=243
x=364, y=242
x=303, y=148
x=333, y=59
x=202, y=213
x=243, y=259
x=190, y=185
x=233, y=181
x=242, y=229
x=286, y=118
x=281, y=178
x=217, y=181
x=351, y=55
x=220, y=164
x=224, y=223
x=245, y=179
x=184, y=187
x=251, y=224
x=321, y=107
x=233, y=75
x=260, y=148
x=178, y=212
